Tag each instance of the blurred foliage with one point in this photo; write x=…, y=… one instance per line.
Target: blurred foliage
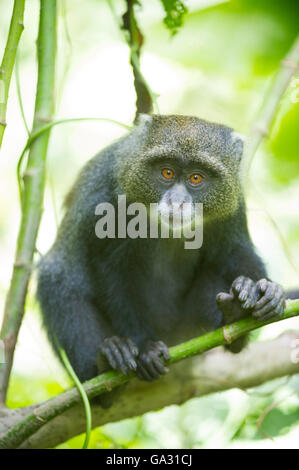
x=284, y=142
x=24, y=392
x=218, y=67
x=236, y=35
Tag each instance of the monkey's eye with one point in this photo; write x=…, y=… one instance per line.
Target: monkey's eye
x=167, y=173
x=195, y=179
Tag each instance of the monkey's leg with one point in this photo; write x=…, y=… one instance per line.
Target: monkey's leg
x=81, y=332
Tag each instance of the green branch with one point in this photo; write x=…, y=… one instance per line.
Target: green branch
x=7, y=65
x=34, y=182
x=48, y=410
x=146, y=99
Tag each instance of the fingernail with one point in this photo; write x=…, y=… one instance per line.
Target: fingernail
x=263, y=285
x=243, y=295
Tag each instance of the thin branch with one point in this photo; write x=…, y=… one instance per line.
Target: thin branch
x=19, y=93
x=112, y=379
x=7, y=65
x=145, y=97
x=46, y=128
x=263, y=122
x=34, y=181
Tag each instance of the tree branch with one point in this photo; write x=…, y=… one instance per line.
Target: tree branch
x=262, y=124
x=7, y=65
x=47, y=411
x=34, y=181
x=145, y=98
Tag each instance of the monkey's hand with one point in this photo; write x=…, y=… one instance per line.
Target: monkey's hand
x=150, y=362
x=121, y=353
x=262, y=299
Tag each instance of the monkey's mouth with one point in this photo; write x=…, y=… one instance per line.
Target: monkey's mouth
x=176, y=217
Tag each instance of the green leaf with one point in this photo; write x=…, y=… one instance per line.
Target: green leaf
x=175, y=12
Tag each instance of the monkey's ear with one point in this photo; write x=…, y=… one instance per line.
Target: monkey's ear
x=143, y=120
x=238, y=141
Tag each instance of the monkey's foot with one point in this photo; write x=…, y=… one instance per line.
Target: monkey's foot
x=263, y=299
x=150, y=362
x=121, y=353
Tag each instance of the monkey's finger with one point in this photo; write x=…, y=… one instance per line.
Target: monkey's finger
x=267, y=297
x=110, y=358
x=160, y=367
x=273, y=291
x=133, y=348
x=229, y=307
x=237, y=284
x=268, y=308
x=118, y=357
x=276, y=312
x=127, y=355
x=240, y=287
x=109, y=350
x=142, y=373
x=224, y=297
x=158, y=364
x=224, y=300
x=149, y=365
x=280, y=307
x=163, y=349
x=253, y=297
x=262, y=285
x=246, y=287
x=125, y=350
x=271, y=304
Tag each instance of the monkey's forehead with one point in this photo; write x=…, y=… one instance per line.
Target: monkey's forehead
x=190, y=134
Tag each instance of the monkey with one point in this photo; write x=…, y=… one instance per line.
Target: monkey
x=121, y=302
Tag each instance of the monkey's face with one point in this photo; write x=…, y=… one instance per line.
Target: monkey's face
x=177, y=187
x=183, y=161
